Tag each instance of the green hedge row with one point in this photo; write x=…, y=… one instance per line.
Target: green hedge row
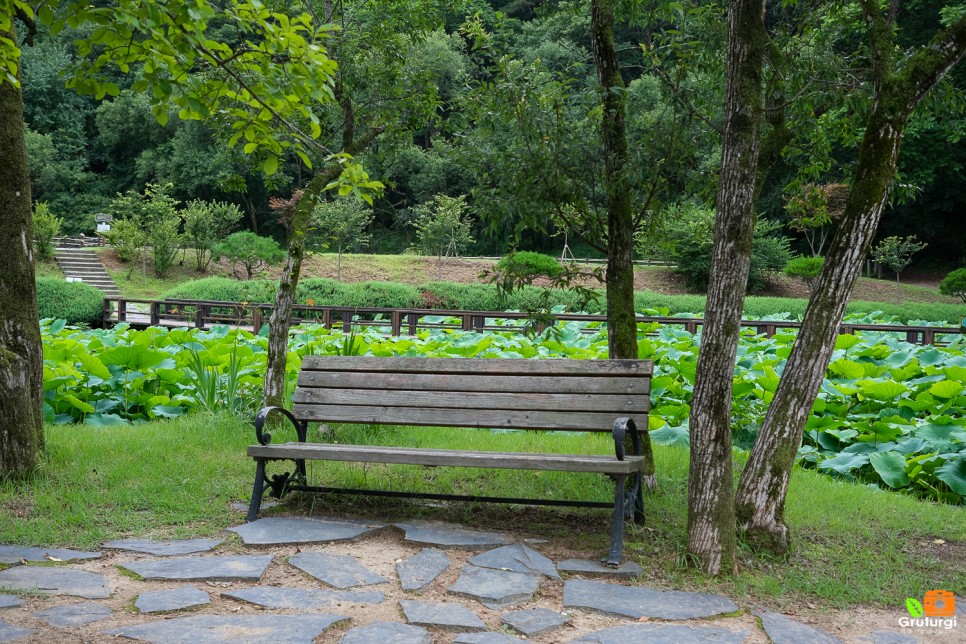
x=75, y=302
x=484, y=297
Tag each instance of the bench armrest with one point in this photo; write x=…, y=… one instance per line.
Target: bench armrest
x=263, y=437
x=621, y=427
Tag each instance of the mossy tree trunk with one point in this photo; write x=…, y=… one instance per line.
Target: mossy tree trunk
x=711, y=521
x=760, y=501
x=621, y=322
x=21, y=358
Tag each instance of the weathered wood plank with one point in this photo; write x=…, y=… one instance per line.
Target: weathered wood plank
x=482, y=383
x=455, y=458
x=480, y=418
x=458, y=400
x=590, y=368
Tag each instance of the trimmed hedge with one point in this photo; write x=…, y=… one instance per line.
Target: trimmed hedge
x=74, y=302
x=484, y=297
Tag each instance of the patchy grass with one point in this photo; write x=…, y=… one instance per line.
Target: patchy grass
x=175, y=479
x=48, y=268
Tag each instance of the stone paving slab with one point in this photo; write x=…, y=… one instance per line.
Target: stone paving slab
x=421, y=569
x=74, y=614
x=640, y=602
x=9, y=632
x=455, y=616
x=516, y=558
x=586, y=566
x=387, y=633
x=495, y=588
x=16, y=554
x=244, y=567
x=55, y=581
x=10, y=601
x=784, y=630
x=534, y=621
x=303, y=599
x=664, y=634
x=219, y=629
x=164, y=548
x=276, y=531
x=485, y=638
x=340, y=571
x=447, y=535
x=162, y=601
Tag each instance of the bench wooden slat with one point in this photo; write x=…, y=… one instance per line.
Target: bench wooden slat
x=480, y=418
x=618, y=405
x=477, y=366
x=631, y=385
x=457, y=458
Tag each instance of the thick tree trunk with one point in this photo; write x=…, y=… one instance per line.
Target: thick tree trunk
x=21, y=358
x=760, y=501
x=711, y=521
x=621, y=323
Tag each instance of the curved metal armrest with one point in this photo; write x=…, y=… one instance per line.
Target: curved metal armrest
x=264, y=438
x=621, y=427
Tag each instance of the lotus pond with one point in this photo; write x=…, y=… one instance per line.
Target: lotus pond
x=890, y=413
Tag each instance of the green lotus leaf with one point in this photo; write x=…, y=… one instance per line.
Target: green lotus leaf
x=882, y=389
x=946, y=389
x=847, y=369
x=891, y=467
x=953, y=474
x=844, y=463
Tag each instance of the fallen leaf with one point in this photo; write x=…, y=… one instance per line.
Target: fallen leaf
x=53, y=558
x=939, y=541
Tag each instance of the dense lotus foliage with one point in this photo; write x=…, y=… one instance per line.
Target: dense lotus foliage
x=889, y=413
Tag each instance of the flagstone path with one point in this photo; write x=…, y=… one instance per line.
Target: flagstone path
x=293, y=580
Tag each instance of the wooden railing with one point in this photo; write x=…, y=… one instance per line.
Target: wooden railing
x=204, y=314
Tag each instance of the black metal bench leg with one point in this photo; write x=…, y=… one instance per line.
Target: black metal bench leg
x=639, y=516
x=258, y=490
x=617, y=524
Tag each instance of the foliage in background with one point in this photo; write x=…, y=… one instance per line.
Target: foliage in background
x=249, y=250
x=896, y=253
x=690, y=241
x=442, y=228
x=890, y=413
x=204, y=224
x=143, y=220
x=342, y=223
x=806, y=269
x=46, y=227
x=954, y=284
x=75, y=302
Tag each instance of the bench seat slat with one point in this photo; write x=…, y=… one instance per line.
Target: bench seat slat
x=457, y=458
x=480, y=382
x=618, y=405
x=508, y=366
x=478, y=418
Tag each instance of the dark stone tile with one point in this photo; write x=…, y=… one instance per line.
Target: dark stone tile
x=586, y=566
x=784, y=630
x=14, y=554
x=9, y=632
x=74, y=614
x=303, y=599
x=387, y=633
x=220, y=629
x=282, y=530
x=454, y=616
x=161, y=601
x=534, y=621
x=516, y=558
x=485, y=638
x=55, y=581
x=447, y=535
x=340, y=571
x=165, y=548
x=643, y=602
x=421, y=569
x=10, y=601
x=495, y=588
x=245, y=567
x=664, y=634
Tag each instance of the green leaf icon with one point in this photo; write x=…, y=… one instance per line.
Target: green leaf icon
x=914, y=607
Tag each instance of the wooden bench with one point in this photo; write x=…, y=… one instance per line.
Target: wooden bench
x=558, y=395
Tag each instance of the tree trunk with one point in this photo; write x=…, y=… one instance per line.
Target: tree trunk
x=21, y=357
x=711, y=521
x=621, y=322
x=760, y=501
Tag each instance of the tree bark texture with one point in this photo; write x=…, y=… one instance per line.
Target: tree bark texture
x=21, y=357
x=621, y=321
x=760, y=501
x=711, y=520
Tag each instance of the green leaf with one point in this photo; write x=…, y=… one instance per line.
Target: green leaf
x=882, y=390
x=672, y=435
x=891, y=467
x=946, y=389
x=847, y=369
x=105, y=420
x=953, y=474
x=271, y=165
x=844, y=463
x=77, y=403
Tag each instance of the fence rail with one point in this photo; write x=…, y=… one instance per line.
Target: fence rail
x=202, y=314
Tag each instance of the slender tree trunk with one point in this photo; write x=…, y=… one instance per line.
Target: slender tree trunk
x=760, y=501
x=621, y=322
x=21, y=358
x=711, y=520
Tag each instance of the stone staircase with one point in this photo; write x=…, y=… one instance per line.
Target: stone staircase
x=82, y=265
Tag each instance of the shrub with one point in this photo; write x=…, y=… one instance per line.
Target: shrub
x=470, y=297
x=46, y=227
x=381, y=294
x=249, y=250
x=806, y=269
x=223, y=289
x=205, y=223
x=75, y=302
x=127, y=239
x=954, y=284
x=321, y=291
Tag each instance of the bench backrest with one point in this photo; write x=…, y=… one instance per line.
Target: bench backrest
x=569, y=395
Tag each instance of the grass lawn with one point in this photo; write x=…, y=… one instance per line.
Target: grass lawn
x=175, y=479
